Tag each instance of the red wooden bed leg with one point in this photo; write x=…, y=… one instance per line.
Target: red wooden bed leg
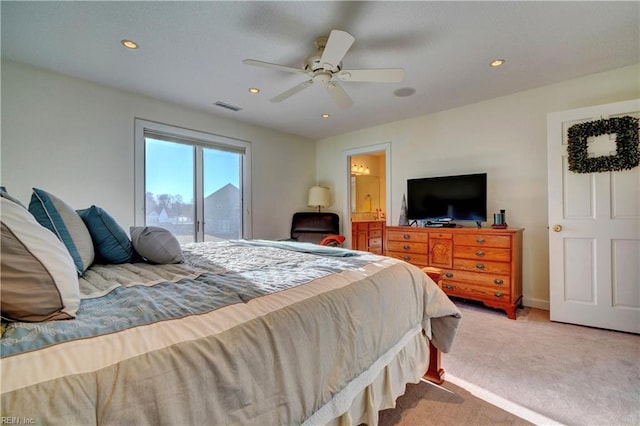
x=435, y=373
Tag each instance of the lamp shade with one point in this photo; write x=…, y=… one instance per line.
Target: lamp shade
x=319, y=197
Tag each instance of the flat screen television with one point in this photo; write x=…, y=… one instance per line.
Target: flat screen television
x=461, y=197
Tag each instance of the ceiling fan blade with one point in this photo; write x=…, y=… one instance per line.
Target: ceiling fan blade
x=337, y=45
x=339, y=96
x=288, y=93
x=272, y=66
x=382, y=75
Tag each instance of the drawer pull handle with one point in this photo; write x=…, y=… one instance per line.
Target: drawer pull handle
x=479, y=253
x=406, y=258
x=406, y=247
x=448, y=286
x=498, y=281
x=406, y=236
x=480, y=240
x=497, y=294
x=448, y=275
x=480, y=266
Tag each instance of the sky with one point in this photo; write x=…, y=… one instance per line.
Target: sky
x=169, y=169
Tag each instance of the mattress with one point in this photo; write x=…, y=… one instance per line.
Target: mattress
x=242, y=332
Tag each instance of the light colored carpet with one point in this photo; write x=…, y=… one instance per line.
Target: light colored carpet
x=546, y=372
x=448, y=405
x=572, y=374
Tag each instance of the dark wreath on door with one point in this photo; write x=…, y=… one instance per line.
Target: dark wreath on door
x=627, y=154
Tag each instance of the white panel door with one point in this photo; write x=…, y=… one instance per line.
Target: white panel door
x=594, y=229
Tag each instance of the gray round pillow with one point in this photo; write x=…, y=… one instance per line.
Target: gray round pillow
x=155, y=244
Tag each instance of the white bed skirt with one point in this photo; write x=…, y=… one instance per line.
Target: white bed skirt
x=377, y=388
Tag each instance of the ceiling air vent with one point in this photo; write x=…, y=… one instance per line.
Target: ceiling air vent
x=227, y=106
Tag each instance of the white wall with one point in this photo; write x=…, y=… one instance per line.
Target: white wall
x=505, y=137
x=75, y=139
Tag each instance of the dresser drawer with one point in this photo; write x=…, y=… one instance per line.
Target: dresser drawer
x=400, y=235
x=375, y=225
x=482, y=253
x=474, y=291
x=441, y=235
x=480, y=278
x=500, y=268
x=482, y=240
x=409, y=247
x=375, y=233
x=375, y=242
x=414, y=258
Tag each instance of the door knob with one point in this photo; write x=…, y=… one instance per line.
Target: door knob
x=557, y=228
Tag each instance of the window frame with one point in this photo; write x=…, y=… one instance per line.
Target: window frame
x=195, y=138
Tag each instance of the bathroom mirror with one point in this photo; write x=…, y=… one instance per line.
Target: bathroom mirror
x=366, y=194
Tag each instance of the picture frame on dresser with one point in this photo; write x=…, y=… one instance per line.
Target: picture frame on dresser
x=481, y=264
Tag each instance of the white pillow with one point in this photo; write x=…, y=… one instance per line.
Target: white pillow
x=39, y=277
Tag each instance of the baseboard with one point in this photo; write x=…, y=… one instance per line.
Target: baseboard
x=535, y=303
x=504, y=404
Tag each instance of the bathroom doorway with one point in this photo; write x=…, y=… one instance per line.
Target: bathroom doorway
x=367, y=185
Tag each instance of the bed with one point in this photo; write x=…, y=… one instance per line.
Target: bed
x=240, y=332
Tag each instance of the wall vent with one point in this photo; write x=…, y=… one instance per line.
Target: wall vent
x=227, y=106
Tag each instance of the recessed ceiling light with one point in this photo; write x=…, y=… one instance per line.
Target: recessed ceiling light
x=496, y=62
x=325, y=115
x=129, y=44
x=254, y=90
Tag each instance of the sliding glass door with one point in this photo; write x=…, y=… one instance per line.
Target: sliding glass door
x=170, y=199
x=222, y=174
x=191, y=183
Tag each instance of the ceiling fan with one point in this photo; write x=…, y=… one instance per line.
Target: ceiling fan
x=325, y=65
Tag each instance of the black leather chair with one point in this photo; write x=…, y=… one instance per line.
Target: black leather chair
x=316, y=227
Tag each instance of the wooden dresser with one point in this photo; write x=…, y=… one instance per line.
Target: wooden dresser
x=479, y=264
x=368, y=236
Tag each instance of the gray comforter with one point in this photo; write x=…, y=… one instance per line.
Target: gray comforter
x=242, y=333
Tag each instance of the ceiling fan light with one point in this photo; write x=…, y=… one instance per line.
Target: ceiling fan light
x=325, y=64
x=496, y=63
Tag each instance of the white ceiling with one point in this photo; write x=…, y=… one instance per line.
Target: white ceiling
x=191, y=52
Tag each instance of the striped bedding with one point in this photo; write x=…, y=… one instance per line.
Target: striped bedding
x=243, y=332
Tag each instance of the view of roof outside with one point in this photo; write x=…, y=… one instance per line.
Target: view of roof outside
x=169, y=181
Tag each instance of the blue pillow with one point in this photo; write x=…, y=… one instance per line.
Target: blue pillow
x=58, y=217
x=110, y=242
